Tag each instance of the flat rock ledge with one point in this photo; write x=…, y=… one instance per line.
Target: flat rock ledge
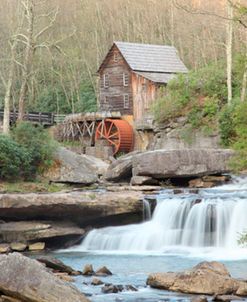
x=207, y=278
x=147, y=167
x=25, y=279
x=86, y=208
x=53, y=234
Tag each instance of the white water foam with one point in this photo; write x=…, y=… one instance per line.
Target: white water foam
x=208, y=224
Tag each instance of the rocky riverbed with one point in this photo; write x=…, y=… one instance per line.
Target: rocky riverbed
x=62, y=219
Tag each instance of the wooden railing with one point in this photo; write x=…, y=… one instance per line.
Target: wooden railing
x=46, y=119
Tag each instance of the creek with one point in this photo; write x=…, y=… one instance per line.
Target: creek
x=184, y=230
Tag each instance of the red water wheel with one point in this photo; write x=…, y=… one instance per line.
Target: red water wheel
x=118, y=133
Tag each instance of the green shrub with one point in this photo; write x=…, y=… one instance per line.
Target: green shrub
x=210, y=106
x=166, y=107
x=38, y=143
x=14, y=159
x=195, y=116
x=226, y=126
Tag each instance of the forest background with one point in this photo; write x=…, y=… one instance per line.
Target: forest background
x=71, y=37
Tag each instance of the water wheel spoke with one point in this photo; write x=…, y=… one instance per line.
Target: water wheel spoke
x=114, y=134
x=101, y=135
x=109, y=130
x=113, y=143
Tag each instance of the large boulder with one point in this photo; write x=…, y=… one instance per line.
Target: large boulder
x=120, y=170
x=71, y=167
x=209, y=278
x=82, y=208
x=60, y=234
x=161, y=164
x=57, y=265
x=28, y=280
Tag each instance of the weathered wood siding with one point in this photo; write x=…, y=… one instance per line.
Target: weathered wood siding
x=144, y=94
x=112, y=97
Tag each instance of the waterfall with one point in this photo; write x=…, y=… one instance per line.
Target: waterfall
x=212, y=218
x=146, y=210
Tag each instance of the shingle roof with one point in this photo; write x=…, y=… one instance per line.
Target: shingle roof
x=151, y=58
x=157, y=77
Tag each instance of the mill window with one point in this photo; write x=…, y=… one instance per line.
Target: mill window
x=115, y=56
x=125, y=79
x=106, y=80
x=126, y=101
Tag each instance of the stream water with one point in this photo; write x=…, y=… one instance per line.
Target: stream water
x=183, y=230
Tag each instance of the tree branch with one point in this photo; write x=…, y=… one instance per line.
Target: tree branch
x=52, y=21
x=196, y=12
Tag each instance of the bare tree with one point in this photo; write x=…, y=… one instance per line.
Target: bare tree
x=31, y=41
x=28, y=57
x=6, y=117
x=244, y=82
x=229, y=34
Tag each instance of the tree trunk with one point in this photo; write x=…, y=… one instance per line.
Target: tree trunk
x=229, y=51
x=244, y=85
x=6, y=116
x=7, y=97
x=27, y=59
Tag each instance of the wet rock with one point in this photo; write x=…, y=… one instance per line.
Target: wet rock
x=65, y=277
x=112, y=289
x=131, y=288
x=216, y=179
x=4, y=248
x=194, y=191
x=205, y=278
x=199, y=299
x=57, y=265
x=28, y=280
x=226, y=298
x=18, y=247
x=198, y=200
x=199, y=183
x=178, y=191
x=88, y=270
x=38, y=246
x=96, y=282
x=143, y=180
x=103, y=271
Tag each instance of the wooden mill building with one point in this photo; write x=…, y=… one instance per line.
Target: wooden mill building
x=129, y=80
x=131, y=75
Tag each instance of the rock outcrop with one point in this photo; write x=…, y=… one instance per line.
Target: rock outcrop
x=121, y=169
x=57, y=265
x=27, y=280
x=75, y=168
x=35, y=231
x=81, y=208
x=161, y=164
x=151, y=166
x=209, y=278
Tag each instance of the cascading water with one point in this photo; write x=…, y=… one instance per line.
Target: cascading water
x=213, y=218
x=146, y=210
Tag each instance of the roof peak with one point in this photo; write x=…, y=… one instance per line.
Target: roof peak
x=141, y=44
x=150, y=57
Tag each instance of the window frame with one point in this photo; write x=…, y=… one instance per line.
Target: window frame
x=106, y=81
x=115, y=56
x=125, y=79
x=126, y=102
